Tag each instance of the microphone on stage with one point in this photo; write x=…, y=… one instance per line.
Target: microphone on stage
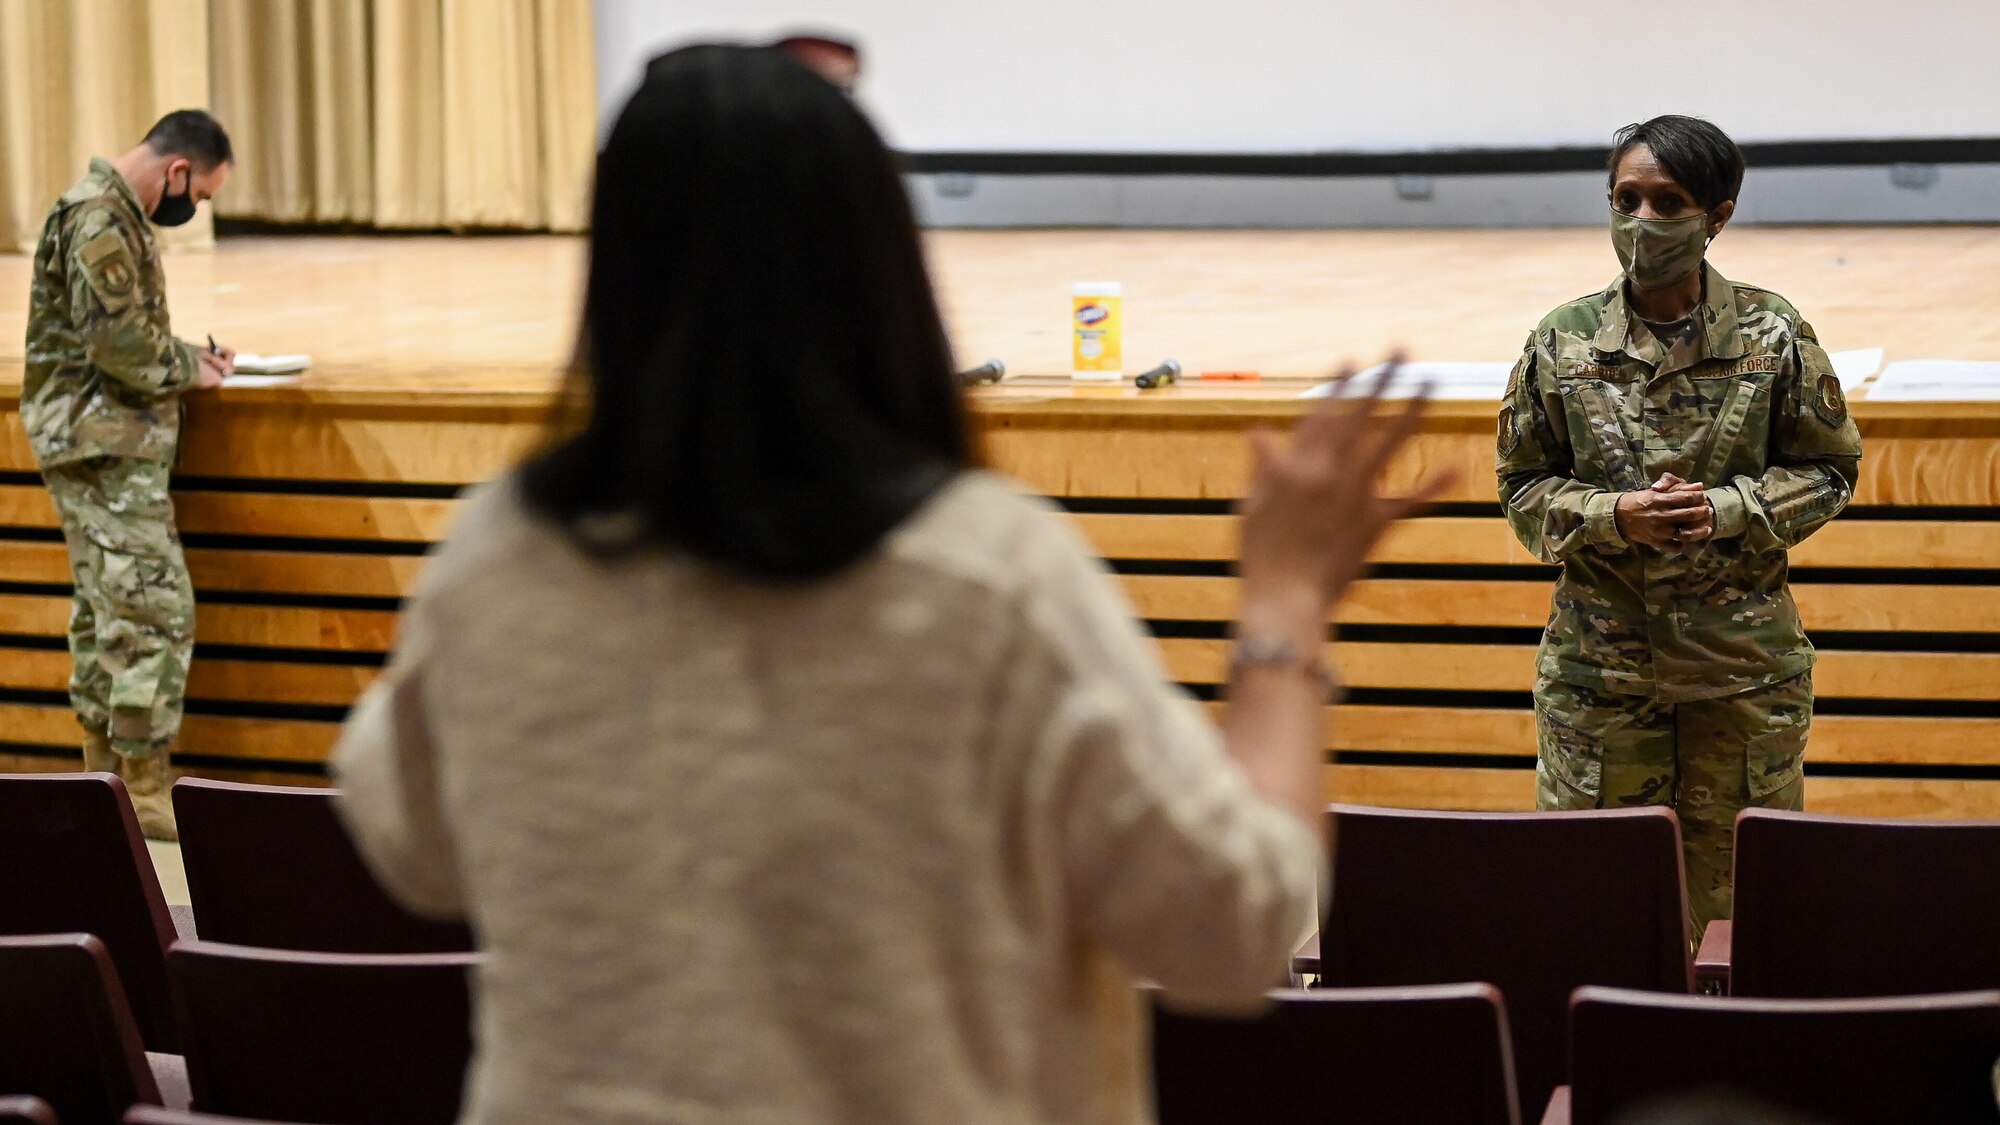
x=988, y=372
x=1168, y=371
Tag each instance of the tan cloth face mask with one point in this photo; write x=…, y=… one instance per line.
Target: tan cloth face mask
x=1656, y=253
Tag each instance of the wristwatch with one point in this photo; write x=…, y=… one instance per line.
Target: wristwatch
x=1283, y=654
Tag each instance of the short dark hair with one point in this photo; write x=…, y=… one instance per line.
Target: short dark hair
x=1699, y=156
x=762, y=378
x=193, y=133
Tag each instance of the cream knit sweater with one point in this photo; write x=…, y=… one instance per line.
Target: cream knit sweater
x=892, y=847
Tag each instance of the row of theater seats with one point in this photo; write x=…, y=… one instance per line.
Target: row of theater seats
x=1541, y=904
x=1442, y=1053
x=293, y=990
x=1535, y=906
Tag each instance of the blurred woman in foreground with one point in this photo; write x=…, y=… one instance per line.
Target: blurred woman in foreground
x=789, y=766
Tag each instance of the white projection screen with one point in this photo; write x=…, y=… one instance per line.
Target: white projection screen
x=1282, y=76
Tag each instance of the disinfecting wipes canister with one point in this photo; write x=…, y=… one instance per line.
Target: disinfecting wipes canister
x=1096, y=325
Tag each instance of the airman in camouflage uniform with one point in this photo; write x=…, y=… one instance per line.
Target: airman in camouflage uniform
x=101, y=403
x=1675, y=677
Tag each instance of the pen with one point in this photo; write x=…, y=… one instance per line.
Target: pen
x=212, y=348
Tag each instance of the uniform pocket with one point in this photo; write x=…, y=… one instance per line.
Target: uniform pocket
x=1570, y=766
x=1746, y=396
x=144, y=591
x=1597, y=434
x=1776, y=758
x=1774, y=761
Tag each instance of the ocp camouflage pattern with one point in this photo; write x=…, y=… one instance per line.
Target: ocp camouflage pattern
x=104, y=372
x=1747, y=405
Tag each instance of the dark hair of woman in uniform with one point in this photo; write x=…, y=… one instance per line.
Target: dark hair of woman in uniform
x=1694, y=154
x=762, y=379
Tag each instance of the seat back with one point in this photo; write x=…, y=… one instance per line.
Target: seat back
x=66, y=1034
x=1535, y=904
x=273, y=866
x=1878, y=1061
x=1830, y=906
x=153, y=1115
x=325, y=1037
x=1419, y=1056
x=76, y=863
x=26, y=1111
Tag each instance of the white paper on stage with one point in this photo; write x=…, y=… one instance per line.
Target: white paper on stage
x=1937, y=380
x=249, y=364
x=1446, y=380
x=1854, y=367
x=244, y=379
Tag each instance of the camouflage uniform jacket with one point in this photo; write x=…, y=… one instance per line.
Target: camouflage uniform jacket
x=104, y=372
x=1746, y=405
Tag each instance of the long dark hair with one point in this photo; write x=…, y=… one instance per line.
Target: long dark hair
x=762, y=379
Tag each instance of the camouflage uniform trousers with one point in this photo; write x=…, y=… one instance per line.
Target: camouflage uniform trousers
x=1707, y=760
x=131, y=627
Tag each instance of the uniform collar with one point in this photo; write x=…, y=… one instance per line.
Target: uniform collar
x=109, y=173
x=1621, y=330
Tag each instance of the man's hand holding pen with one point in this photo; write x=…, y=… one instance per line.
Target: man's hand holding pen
x=216, y=364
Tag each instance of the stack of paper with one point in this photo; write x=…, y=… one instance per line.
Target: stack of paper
x=1445, y=380
x=1937, y=380
x=1854, y=367
x=247, y=364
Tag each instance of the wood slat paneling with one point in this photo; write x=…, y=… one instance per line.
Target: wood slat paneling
x=1525, y=604
x=1455, y=541
x=311, y=573
x=72, y=763
x=1845, y=739
x=1447, y=667
x=1513, y=790
x=354, y=630
x=266, y=572
x=1912, y=462
x=276, y=514
x=219, y=681
x=213, y=736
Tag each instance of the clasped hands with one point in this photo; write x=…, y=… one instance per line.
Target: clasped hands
x=1670, y=516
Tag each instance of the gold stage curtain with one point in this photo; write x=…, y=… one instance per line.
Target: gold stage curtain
x=83, y=78
x=290, y=79
x=388, y=113
x=408, y=113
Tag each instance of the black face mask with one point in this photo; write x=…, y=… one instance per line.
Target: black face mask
x=173, y=210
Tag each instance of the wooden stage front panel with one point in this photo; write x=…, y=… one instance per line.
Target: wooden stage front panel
x=307, y=509
x=306, y=513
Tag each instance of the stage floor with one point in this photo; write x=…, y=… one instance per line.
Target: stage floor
x=498, y=313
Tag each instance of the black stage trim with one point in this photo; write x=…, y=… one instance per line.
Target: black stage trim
x=1432, y=761
x=1442, y=162
x=371, y=489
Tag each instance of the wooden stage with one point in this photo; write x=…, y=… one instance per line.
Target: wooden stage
x=307, y=508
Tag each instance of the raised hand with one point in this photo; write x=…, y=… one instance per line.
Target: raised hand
x=1314, y=511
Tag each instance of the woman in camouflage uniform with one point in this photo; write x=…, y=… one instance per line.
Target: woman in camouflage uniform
x=1666, y=441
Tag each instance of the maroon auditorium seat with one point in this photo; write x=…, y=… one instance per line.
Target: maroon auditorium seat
x=149, y=1115
x=1436, y=1055
x=75, y=862
x=26, y=1111
x=1535, y=904
x=272, y=865
x=66, y=1034
x=1831, y=906
x=1878, y=1061
x=325, y=1037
